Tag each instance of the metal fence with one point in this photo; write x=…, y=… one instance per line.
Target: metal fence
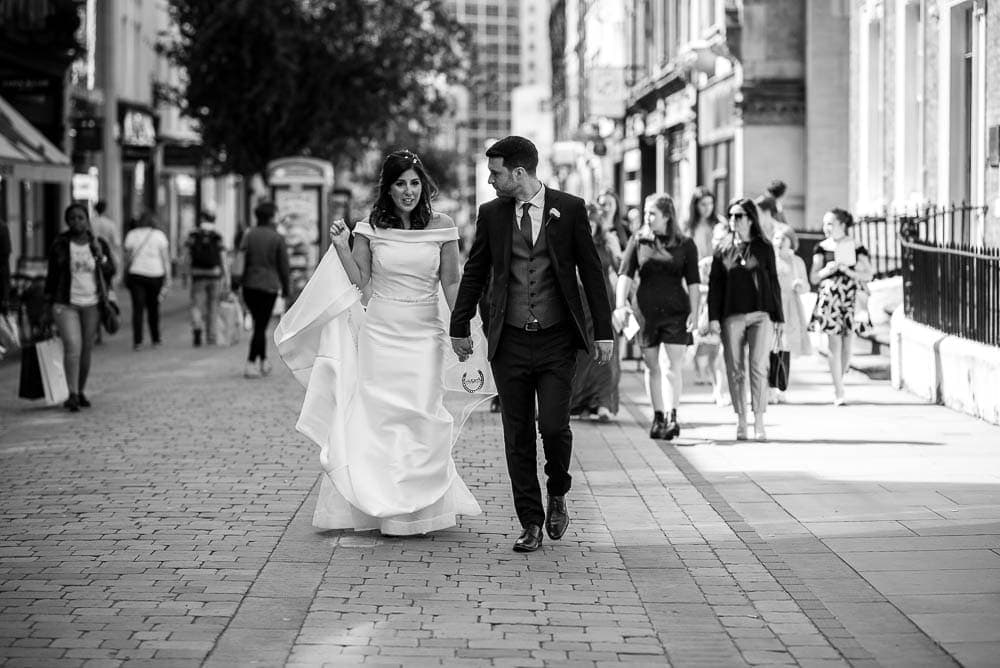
x=880, y=236
x=950, y=283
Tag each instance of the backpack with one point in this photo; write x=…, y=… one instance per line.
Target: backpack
x=206, y=248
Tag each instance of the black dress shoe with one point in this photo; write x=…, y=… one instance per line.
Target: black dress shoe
x=557, y=520
x=530, y=540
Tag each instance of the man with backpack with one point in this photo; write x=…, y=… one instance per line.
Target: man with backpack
x=207, y=262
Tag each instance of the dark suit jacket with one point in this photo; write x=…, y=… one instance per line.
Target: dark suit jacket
x=571, y=248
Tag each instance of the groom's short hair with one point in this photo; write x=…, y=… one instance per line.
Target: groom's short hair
x=516, y=152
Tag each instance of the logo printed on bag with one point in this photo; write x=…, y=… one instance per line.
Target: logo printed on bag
x=474, y=385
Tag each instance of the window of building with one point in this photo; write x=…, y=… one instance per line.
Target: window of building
x=872, y=110
x=492, y=10
x=963, y=96
x=909, y=140
x=714, y=170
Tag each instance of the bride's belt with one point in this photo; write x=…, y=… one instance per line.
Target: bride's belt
x=431, y=299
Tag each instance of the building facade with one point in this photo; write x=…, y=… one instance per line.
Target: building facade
x=925, y=101
x=717, y=97
x=483, y=112
x=588, y=52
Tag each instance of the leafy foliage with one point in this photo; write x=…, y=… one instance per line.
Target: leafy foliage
x=269, y=78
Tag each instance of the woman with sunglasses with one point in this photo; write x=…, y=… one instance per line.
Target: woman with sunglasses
x=744, y=308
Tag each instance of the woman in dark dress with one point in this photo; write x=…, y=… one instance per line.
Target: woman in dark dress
x=841, y=268
x=744, y=308
x=595, y=386
x=666, y=263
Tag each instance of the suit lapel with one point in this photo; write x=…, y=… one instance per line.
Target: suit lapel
x=549, y=225
x=506, y=227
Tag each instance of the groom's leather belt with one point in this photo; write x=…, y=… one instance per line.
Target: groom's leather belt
x=535, y=326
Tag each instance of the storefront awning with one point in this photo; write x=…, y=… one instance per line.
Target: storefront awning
x=26, y=154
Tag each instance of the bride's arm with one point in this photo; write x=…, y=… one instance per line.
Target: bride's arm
x=357, y=263
x=450, y=272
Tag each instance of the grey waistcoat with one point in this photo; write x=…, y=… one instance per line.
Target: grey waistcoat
x=532, y=291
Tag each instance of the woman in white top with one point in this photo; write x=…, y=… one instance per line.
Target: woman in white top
x=79, y=268
x=147, y=275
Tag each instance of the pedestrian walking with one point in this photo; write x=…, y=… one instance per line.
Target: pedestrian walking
x=794, y=281
x=840, y=268
x=377, y=380
x=611, y=217
x=767, y=211
x=205, y=257
x=708, y=344
x=147, y=276
x=595, y=386
x=776, y=189
x=702, y=221
x=533, y=240
x=107, y=229
x=80, y=266
x=262, y=271
x=744, y=308
x=703, y=225
x=666, y=263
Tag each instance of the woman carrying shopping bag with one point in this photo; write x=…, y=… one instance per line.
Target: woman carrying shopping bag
x=80, y=266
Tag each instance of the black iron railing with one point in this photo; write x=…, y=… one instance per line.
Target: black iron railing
x=880, y=236
x=950, y=282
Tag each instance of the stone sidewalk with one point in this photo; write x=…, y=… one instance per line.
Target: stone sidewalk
x=170, y=526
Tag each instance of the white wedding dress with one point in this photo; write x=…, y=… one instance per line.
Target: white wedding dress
x=385, y=395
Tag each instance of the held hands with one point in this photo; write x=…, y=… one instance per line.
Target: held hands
x=462, y=347
x=340, y=234
x=715, y=327
x=603, y=351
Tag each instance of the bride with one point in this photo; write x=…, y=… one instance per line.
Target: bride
x=385, y=395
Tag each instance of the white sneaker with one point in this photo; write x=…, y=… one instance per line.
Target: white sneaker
x=265, y=368
x=603, y=414
x=251, y=370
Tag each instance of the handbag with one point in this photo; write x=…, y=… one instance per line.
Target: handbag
x=777, y=369
x=107, y=307
x=50, y=362
x=30, y=383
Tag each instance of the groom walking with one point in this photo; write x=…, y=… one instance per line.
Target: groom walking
x=533, y=240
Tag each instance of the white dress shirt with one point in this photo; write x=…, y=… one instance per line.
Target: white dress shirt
x=536, y=211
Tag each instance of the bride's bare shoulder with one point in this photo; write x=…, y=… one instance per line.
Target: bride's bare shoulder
x=440, y=221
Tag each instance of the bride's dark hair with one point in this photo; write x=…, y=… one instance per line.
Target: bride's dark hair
x=384, y=211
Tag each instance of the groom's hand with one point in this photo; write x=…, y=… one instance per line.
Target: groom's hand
x=604, y=351
x=462, y=347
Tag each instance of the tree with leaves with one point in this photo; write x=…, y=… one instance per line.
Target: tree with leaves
x=265, y=79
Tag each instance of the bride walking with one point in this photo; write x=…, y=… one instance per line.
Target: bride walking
x=385, y=395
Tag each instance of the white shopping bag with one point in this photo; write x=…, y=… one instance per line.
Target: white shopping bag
x=50, y=361
x=229, y=322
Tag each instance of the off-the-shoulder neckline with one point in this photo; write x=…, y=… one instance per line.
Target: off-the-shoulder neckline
x=364, y=227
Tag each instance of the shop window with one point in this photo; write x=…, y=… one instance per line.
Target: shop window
x=715, y=169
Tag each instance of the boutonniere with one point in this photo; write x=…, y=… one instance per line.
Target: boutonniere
x=553, y=215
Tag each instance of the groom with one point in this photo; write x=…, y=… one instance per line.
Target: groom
x=533, y=240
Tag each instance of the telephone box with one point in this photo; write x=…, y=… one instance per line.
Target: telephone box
x=300, y=189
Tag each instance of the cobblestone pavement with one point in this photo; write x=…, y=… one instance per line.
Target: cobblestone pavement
x=170, y=526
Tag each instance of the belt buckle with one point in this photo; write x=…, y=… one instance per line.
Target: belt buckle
x=532, y=326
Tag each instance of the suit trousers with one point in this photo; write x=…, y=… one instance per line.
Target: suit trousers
x=739, y=331
x=529, y=365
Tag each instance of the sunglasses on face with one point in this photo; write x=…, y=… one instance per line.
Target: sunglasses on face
x=737, y=215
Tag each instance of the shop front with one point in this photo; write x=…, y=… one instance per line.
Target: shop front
x=137, y=125
x=35, y=179
x=661, y=145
